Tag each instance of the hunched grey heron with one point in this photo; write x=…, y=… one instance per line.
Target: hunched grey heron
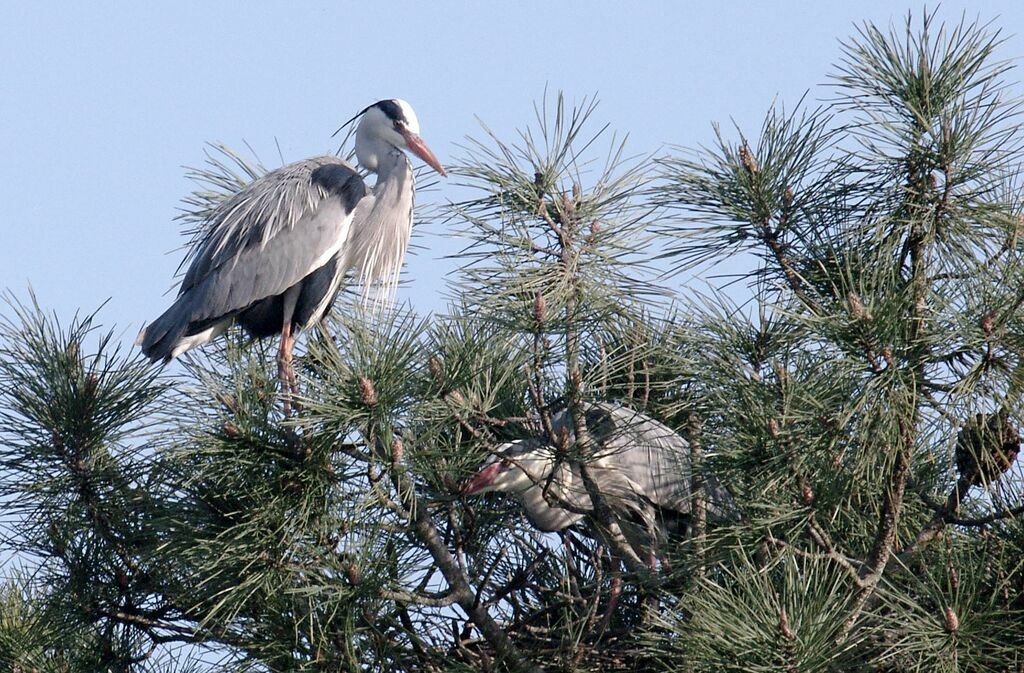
x=640, y=466
x=274, y=254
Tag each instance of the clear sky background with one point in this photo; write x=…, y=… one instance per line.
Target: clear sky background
x=102, y=104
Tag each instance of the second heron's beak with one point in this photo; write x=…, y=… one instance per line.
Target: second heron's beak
x=482, y=479
x=420, y=149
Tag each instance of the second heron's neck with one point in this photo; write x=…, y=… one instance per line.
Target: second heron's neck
x=549, y=516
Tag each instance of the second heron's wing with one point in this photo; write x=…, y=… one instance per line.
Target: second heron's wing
x=655, y=460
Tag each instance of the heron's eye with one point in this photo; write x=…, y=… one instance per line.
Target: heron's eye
x=398, y=125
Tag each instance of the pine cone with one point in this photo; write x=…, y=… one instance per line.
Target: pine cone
x=748, y=160
x=986, y=447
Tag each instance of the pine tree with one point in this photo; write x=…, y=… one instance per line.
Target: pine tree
x=868, y=408
x=862, y=403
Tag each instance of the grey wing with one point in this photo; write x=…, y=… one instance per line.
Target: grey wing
x=652, y=458
x=656, y=460
x=260, y=242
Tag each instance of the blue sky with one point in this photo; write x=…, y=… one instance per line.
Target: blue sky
x=102, y=104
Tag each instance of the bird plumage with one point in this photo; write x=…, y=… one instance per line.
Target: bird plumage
x=385, y=216
x=275, y=253
x=262, y=241
x=640, y=466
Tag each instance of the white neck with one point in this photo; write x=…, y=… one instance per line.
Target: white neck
x=541, y=514
x=392, y=162
x=372, y=151
x=378, y=243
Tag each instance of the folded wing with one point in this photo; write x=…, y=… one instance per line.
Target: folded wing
x=262, y=241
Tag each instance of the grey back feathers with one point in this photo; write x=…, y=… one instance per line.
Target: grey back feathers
x=640, y=466
x=270, y=206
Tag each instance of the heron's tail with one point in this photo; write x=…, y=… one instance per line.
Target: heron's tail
x=158, y=338
x=174, y=332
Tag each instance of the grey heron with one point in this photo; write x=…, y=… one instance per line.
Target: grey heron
x=274, y=254
x=640, y=466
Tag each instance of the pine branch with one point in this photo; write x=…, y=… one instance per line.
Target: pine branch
x=460, y=589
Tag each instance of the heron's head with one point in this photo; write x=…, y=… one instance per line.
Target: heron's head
x=394, y=122
x=514, y=469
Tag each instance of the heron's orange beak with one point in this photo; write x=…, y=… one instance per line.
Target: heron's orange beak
x=483, y=479
x=420, y=149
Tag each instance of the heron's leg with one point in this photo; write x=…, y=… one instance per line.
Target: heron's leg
x=613, y=601
x=651, y=602
x=293, y=378
x=285, y=372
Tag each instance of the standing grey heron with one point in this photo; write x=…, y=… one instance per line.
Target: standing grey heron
x=274, y=254
x=640, y=466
